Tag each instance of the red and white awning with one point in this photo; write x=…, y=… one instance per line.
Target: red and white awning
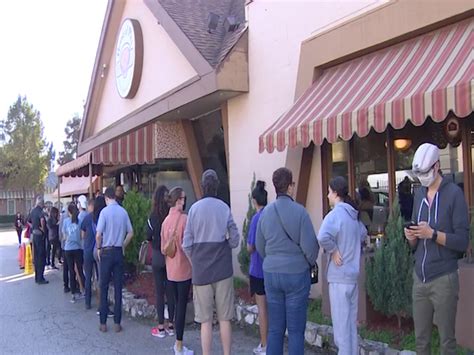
x=136, y=147
x=71, y=186
x=428, y=76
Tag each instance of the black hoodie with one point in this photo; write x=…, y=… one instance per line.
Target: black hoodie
x=448, y=214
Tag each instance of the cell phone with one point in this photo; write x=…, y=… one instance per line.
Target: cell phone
x=410, y=224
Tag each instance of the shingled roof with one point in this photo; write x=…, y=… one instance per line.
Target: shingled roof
x=192, y=16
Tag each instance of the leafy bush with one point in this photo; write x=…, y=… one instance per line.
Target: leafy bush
x=389, y=274
x=138, y=208
x=239, y=283
x=315, y=313
x=244, y=256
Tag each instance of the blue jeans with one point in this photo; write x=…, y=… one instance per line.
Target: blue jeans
x=89, y=268
x=287, y=301
x=111, y=266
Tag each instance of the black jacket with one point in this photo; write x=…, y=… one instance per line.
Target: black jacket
x=153, y=234
x=448, y=214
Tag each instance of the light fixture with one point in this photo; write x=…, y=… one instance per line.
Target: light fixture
x=402, y=144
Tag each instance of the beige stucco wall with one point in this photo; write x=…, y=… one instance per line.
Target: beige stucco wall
x=276, y=31
x=164, y=68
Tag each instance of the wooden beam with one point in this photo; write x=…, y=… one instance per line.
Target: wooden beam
x=391, y=166
x=351, y=174
x=194, y=162
x=326, y=158
x=305, y=174
x=467, y=161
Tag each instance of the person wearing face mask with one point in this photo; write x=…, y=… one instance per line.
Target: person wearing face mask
x=439, y=235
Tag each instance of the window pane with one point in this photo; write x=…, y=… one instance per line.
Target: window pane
x=371, y=173
x=340, y=153
x=11, y=207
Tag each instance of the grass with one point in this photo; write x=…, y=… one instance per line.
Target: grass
x=315, y=313
x=239, y=283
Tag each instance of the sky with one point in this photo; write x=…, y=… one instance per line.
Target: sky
x=47, y=53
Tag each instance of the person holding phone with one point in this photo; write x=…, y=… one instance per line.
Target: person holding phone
x=439, y=235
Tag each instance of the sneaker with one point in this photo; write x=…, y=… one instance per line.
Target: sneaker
x=54, y=267
x=184, y=351
x=80, y=296
x=170, y=330
x=98, y=312
x=159, y=333
x=260, y=350
x=67, y=289
x=73, y=299
x=110, y=314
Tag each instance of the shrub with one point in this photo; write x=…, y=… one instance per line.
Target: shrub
x=389, y=274
x=244, y=256
x=138, y=208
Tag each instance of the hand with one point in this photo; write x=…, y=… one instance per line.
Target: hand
x=423, y=230
x=336, y=258
x=409, y=234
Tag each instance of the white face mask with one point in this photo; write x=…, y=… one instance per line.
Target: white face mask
x=426, y=179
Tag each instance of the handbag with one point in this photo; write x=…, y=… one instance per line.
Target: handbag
x=170, y=246
x=313, y=269
x=142, y=254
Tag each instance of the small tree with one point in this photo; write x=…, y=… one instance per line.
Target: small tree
x=72, y=131
x=244, y=256
x=138, y=208
x=389, y=274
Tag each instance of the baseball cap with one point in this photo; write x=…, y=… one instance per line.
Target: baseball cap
x=425, y=157
x=209, y=175
x=82, y=200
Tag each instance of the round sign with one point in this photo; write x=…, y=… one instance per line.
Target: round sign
x=129, y=58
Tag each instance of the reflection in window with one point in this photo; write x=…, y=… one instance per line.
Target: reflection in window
x=371, y=178
x=340, y=154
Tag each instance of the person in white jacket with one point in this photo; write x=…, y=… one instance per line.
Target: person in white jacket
x=341, y=236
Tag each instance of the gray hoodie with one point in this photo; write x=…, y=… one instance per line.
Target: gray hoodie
x=449, y=214
x=341, y=230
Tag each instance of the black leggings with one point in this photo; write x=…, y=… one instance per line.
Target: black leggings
x=162, y=286
x=75, y=257
x=181, y=289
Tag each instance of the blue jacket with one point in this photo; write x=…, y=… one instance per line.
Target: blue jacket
x=342, y=230
x=279, y=253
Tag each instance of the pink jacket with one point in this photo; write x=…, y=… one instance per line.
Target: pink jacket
x=177, y=268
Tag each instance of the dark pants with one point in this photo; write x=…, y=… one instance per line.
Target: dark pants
x=162, y=286
x=111, y=267
x=48, y=251
x=75, y=258
x=39, y=256
x=89, y=268
x=181, y=290
x=56, y=247
x=287, y=299
x=18, y=231
x=65, y=270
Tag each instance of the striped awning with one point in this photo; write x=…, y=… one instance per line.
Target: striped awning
x=428, y=76
x=71, y=186
x=16, y=195
x=137, y=147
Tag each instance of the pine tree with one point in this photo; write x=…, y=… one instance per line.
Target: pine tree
x=389, y=274
x=72, y=131
x=244, y=256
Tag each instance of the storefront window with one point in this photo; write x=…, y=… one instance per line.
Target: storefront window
x=210, y=139
x=340, y=154
x=11, y=207
x=371, y=180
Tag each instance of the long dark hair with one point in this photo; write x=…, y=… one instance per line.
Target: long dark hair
x=160, y=203
x=339, y=185
x=72, y=209
x=54, y=213
x=99, y=205
x=259, y=194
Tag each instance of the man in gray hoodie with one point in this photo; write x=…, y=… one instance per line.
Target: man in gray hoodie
x=209, y=237
x=440, y=235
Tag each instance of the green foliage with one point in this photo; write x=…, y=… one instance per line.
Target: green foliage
x=315, y=313
x=138, y=208
x=239, y=283
x=389, y=274
x=244, y=256
x=24, y=158
x=72, y=130
x=383, y=336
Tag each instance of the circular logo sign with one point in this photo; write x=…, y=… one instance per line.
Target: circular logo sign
x=129, y=58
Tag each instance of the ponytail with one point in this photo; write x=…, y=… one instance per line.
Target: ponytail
x=72, y=209
x=259, y=194
x=339, y=185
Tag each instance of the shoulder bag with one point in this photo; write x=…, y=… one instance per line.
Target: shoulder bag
x=313, y=269
x=170, y=246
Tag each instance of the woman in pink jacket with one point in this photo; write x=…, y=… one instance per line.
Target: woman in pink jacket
x=178, y=266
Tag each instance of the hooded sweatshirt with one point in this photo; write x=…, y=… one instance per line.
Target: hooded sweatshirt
x=449, y=214
x=342, y=230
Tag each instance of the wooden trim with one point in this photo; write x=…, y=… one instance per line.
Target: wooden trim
x=391, y=166
x=225, y=126
x=467, y=161
x=91, y=188
x=325, y=173
x=351, y=169
x=194, y=162
x=305, y=174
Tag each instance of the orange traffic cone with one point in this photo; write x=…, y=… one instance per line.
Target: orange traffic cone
x=21, y=256
x=28, y=261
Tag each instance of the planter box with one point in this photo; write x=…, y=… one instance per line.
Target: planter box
x=465, y=312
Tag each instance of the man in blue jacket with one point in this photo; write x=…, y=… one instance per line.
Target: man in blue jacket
x=439, y=237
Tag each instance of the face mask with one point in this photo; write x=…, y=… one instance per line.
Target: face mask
x=427, y=179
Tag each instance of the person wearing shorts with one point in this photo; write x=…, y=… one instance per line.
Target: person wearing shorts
x=257, y=286
x=209, y=238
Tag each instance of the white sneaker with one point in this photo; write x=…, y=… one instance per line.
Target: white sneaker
x=170, y=331
x=184, y=351
x=260, y=350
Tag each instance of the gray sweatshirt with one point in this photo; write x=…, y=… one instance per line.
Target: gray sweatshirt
x=279, y=253
x=449, y=214
x=209, y=237
x=342, y=230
